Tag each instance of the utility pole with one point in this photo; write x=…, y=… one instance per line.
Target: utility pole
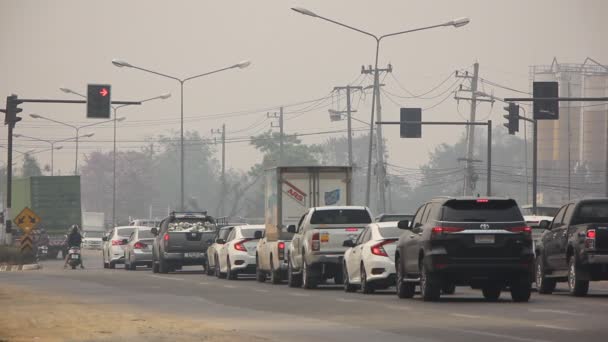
x=469, y=187
x=380, y=163
x=281, y=135
x=348, y=112
x=222, y=133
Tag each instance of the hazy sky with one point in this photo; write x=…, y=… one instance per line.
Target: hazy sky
x=69, y=43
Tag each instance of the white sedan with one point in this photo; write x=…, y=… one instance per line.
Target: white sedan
x=237, y=255
x=369, y=263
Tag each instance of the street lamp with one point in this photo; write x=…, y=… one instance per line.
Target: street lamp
x=52, y=143
x=77, y=128
x=121, y=63
x=459, y=22
x=115, y=110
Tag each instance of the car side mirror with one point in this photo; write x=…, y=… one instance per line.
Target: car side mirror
x=291, y=228
x=403, y=224
x=104, y=238
x=348, y=243
x=220, y=241
x=258, y=234
x=545, y=224
x=154, y=231
x=125, y=241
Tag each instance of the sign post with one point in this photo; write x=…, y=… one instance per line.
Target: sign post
x=27, y=221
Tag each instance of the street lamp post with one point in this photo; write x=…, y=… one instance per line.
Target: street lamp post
x=121, y=63
x=76, y=128
x=376, y=94
x=52, y=143
x=115, y=110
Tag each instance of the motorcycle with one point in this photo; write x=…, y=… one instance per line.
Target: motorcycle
x=42, y=252
x=74, y=258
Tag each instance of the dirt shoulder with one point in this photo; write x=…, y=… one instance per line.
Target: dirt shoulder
x=30, y=316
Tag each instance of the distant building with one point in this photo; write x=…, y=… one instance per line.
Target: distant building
x=572, y=151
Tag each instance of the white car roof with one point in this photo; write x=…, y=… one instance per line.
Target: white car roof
x=341, y=207
x=121, y=227
x=251, y=226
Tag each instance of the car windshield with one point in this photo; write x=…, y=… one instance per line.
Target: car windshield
x=390, y=232
x=592, y=212
x=124, y=231
x=145, y=234
x=250, y=233
x=481, y=210
x=395, y=218
x=340, y=216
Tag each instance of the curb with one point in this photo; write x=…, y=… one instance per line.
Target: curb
x=13, y=268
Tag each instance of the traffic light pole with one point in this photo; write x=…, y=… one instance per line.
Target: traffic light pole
x=458, y=123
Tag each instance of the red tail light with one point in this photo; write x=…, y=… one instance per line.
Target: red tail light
x=352, y=229
x=117, y=243
x=139, y=245
x=377, y=249
x=316, y=244
x=483, y=200
x=591, y=234
x=239, y=246
x=526, y=230
x=443, y=230
x=166, y=237
x=281, y=245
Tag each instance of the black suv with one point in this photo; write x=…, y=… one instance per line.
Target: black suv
x=479, y=242
x=574, y=247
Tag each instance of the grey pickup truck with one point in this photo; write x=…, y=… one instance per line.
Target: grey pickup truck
x=182, y=240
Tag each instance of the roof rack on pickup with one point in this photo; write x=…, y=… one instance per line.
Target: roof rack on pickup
x=191, y=214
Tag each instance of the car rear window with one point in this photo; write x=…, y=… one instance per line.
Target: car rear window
x=393, y=218
x=249, y=233
x=145, y=234
x=340, y=216
x=390, y=232
x=481, y=211
x=125, y=231
x=592, y=212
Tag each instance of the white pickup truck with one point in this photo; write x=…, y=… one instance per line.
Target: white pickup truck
x=289, y=192
x=317, y=247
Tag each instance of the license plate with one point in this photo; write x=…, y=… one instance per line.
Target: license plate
x=324, y=237
x=193, y=255
x=75, y=256
x=484, y=239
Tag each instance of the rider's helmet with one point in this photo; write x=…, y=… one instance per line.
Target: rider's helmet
x=75, y=228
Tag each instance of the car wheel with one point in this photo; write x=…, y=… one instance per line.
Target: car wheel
x=309, y=281
x=366, y=287
x=491, y=291
x=545, y=285
x=348, y=287
x=126, y=266
x=112, y=265
x=260, y=276
x=576, y=286
x=404, y=289
x=162, y=265
x=218, y=269
x=132, y=266
x=293, y=280
x=208, y=270
x=448, y=288
x=430, y=287
x=521, y=289
x=230, y=275
x=275, y=275
x=154, y=267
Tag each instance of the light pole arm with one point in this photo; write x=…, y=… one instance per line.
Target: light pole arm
x=349, y=27
x=96, y=123
x=59, y=122
x=209, y=73
x=156, y=73
x=409, y=31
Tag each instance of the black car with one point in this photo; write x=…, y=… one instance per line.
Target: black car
x=479, y=242
x=574, y=248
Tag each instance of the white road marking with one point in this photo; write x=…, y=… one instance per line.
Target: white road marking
x=500, y=336
x=203, y=283
x=465, y=315
x=161, y=277
x=260, y=290
x=296, y=294
x=344, y=300
x=398, y=307
x=230, y=286
x=554, y=327
x=562, y=312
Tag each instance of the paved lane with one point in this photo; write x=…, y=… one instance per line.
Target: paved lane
x=279, y=312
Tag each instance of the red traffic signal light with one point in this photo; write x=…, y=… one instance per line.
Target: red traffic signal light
x=99, y=101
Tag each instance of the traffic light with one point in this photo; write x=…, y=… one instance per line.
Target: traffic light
x=12, y=109
x=512, y=118
x=545, y=110
x=411, y=130
x=99, y=100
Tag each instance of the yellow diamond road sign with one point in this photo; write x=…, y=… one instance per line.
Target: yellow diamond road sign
x=27, y=219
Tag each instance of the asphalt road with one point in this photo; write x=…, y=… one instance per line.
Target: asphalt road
x=328, y=313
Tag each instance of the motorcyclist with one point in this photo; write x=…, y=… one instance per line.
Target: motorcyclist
x=74, y=240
